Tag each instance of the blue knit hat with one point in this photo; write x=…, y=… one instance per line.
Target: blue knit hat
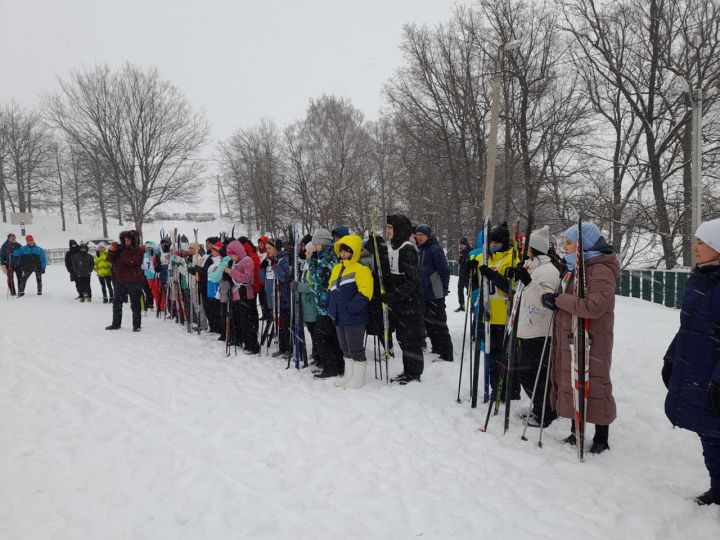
x=424, y=229
x=590, y=235
x=340, y=231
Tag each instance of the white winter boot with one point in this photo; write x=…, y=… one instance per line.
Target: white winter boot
x=358, y=375
x=347, y=377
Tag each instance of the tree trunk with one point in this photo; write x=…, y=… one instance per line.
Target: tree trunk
x=3, y=205
x=62, y=192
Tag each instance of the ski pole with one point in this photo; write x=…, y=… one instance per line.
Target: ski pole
x=465, y=328
x=537, y=378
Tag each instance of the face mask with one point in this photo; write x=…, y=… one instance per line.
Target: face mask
x=570, y=259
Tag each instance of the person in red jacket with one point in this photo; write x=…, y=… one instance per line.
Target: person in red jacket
x=126, y=258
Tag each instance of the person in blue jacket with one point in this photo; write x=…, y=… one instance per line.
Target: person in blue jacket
x=31, y=258
x=435, y=285
x=691, y=369
x=8, y=260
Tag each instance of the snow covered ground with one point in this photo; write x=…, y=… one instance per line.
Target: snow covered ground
x=158, y=435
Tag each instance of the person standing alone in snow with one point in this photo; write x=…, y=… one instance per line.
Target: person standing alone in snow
x=691, y=370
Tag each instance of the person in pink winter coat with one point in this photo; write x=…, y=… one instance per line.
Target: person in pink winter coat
x=244, y=307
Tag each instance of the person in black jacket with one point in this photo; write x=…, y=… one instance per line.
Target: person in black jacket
x=463, y=272
x=403, y=296
x=69, y=254
x=82, y=265
x=435, y=285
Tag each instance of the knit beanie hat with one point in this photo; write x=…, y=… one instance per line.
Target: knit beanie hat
x=540, y=240
x=274, y=242
x=590, y=235
x=29, y=238
x=340, y=231
x=709, y=232
x=102, y=245
x=322, y=237
x=424, y=229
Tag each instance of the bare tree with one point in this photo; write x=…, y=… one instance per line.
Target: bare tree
x=141, y=126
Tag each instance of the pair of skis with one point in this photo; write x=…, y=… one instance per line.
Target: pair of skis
x=387, y=351
x=299, y=348
x=580, y=351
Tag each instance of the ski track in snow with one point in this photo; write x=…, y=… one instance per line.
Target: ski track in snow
x=159, y=435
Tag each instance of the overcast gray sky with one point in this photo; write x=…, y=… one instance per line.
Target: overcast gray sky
x=239, y=60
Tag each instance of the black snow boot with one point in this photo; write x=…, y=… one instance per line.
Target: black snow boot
x=708, y=498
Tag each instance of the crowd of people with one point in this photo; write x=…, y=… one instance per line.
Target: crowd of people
x=394, y=287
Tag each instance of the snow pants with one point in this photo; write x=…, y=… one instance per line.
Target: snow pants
x=528, y=365
x=122, y=290
x=711, y=453
x=24, y=275
x=83, y=286
x=408, y=325
x=107, y=286
x=245, y=321
x=330, y=356
x=352, y=341
x=11, y=279
x=436, y=327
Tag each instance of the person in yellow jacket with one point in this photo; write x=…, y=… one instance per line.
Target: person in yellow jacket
x=351, y=289
x=103, y=269
x=501, y=258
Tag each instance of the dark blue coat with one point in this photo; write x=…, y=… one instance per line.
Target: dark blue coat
x=695, y=356
x=434, y=270
x=10, y=253
x=282, y=276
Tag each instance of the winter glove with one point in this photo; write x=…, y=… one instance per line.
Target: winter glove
x=714, y=395
x=549, y=299
x=487, y=272
x=265, y=264
x=666, y=371
x=42, y=271
x=521, y=274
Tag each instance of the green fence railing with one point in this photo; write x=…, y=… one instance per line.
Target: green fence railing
x=666, y=287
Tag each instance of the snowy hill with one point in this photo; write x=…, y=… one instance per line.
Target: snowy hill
x=158, y=435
